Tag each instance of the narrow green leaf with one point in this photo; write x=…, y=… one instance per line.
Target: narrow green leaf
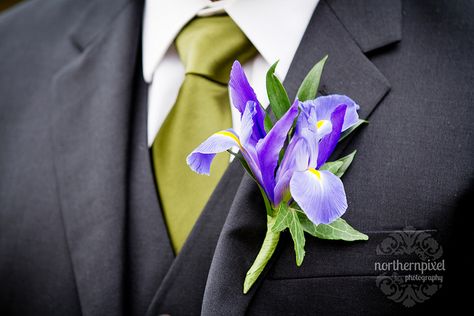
x=288, y=218
x=297, y=233
x=267, y=123
x=268, y=248
x=332, y=166
x=352, y=129
x=279, y=101
x=346, y=162
x=309, y=86
x=339, y=166
x=282, y=218
x=337, y=230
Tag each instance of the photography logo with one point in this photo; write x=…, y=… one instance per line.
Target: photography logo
x=411, y=266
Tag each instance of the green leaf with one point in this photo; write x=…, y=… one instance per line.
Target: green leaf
x=337, y=230
x=352, y=128
x=297, y=233
x=339, y=166
x=309, y=86
x=267, y=123
x=288, y=218
x=332, y=166
x=282, y=218
x=279, y=101
x=266, y=251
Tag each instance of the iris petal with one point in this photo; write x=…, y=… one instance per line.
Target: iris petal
x=259, y=126
x=329, y=142
x=247, y=123
x=324, y=128
x=239, y=88
x=297, y=158
x=325, y=105
x=201, y=158
x=268, y=149
x=320, y=194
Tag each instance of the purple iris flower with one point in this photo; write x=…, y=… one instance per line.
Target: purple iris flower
x=319, y=193
x=260, y=150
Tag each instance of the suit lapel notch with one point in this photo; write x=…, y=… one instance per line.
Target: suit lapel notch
x=348, y=70
x=372, y=23
x=95, y=21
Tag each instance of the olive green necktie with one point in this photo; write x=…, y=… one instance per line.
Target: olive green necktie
x=207, y=47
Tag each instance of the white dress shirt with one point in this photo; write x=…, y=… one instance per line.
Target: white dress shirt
x=275, y=28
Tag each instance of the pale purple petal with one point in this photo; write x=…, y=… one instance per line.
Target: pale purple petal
x=300, y=154
x=239, y=88
x=268, y=149
x=246, y=139
x=329, y=142
x=201, y=158
x=320, y=194
x=252, y=124
x=306, y=119
x=247, y=124
x=325, y=105
x=287, y=167
x=324, y=128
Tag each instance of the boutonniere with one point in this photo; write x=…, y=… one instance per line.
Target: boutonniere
x=285, y=150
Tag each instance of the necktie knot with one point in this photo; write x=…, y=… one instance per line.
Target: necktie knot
x=208, y=46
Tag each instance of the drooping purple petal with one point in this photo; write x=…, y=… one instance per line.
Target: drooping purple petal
x=320, y=194
x=325, y=105
x=201, y=158
x=329, y=142
x=239, y=88
x=268, y=149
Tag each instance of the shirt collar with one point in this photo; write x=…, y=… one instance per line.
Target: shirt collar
x=275, y=27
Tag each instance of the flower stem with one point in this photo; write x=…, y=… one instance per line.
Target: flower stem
x=268, y=248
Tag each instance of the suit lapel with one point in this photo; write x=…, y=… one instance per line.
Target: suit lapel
x=90, y=126
x=90, y=132
x=348, y=71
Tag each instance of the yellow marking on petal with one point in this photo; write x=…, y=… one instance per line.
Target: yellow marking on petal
x=231, y=135
x=320, y=123
x=315, y=172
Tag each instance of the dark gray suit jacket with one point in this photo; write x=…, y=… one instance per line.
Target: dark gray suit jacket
x=81, y=231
